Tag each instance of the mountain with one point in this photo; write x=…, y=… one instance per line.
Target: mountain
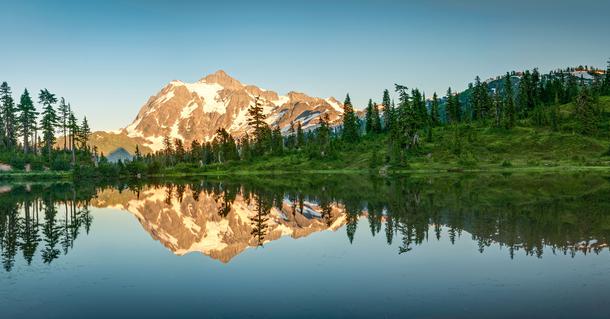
x=194, y=111
x=119, y=154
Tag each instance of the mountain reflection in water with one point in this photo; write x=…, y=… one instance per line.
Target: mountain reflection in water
x=569, y=214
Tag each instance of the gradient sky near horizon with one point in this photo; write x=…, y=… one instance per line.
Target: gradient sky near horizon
x=108, y=57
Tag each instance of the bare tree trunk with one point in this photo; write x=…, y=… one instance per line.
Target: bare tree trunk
x=25, y=141
x=73, y=151
x=65, y=137
x=35, y=140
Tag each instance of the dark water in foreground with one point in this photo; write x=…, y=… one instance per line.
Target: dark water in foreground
x=309, y=246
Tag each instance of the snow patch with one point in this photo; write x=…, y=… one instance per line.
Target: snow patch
x=240, y=120
x=174, y=134
x=334, y=105
x=186, y=112
x=209, y=93
x=166, y=97
x=282, y=99
x=155, y=143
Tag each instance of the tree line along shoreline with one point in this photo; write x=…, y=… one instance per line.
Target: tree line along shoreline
x=462, y=130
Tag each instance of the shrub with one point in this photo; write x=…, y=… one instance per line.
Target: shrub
x=17, y=162
x=60, y=164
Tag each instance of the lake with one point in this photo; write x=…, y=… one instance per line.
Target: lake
x=303, y=246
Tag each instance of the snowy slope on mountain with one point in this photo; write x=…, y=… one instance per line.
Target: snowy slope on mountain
x=194, y=111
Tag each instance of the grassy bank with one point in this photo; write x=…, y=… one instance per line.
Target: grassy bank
x=36, y=175
x=472, y=147
x=480, y=149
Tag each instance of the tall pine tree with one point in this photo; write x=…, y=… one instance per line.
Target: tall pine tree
x=607, y=80
x=586, y=112
x=350, y=121
x=73, y=132
x=376, y=119
x=435, y=118
x=300, y=136
x=324, y=135
x=256, y=120
x=387, y=110
x=84, y=133
x=8, y=112
x=49, y=119
x=26, y=119
x=368, y=117
x=509, y=104
x=64, y=115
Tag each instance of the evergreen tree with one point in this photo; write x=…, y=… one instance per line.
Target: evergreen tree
x=3, y=139
x=368, y=117
x=64, y=116
x=452, y=107
x=194, y=153
x=49, y=119
x=509, y=104
x=26, y=119
x=300, y=136
x=498, y=109
x=522, y=96
x=419, y=109
x=475, y=99
x=457, y=107
x=291, y=139
x=350, y=121
x=227, y=148
x=324, y=135
x=405, y=132
x=606, y=84
x=179, y=150
x=8, y=114
x=256, y=118
x=535, y=89
x=449, y=106
x=84, y=133
x=137, y=155
x=571, y=89
x=246, y=152
x=277, y=141
x=168, y=147
x=73, y=133
x=480, y=100
x=387, y=110
x=586, y=113
x=376, y=119
x=435, y=118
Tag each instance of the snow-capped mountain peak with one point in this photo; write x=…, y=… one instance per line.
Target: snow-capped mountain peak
x=194, y=111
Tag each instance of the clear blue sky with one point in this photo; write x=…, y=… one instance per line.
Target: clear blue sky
x=108, y=57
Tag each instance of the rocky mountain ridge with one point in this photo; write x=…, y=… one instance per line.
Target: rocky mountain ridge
x=194, y=111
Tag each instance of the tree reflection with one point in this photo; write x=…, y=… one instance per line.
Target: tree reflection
x=261, y=216
x=528, y=214
x=21, y=228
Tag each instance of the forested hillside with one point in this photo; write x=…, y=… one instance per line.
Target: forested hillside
x=519, y=120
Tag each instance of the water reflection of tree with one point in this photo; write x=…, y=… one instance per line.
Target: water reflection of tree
x=224, y=197
x=21, y=228
x=260, y=218
x=520, y=213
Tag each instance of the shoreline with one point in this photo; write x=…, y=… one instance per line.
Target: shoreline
x=68, y=175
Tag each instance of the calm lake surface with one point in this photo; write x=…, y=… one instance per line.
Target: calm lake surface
x=442, y=246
